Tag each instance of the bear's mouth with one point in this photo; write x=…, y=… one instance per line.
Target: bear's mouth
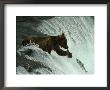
x=62, y=48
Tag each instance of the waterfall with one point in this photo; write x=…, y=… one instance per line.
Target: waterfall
x=79, y=31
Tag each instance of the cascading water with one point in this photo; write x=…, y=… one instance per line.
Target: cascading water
x=79, y=31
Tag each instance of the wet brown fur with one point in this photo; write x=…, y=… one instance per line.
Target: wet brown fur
x=49, y=43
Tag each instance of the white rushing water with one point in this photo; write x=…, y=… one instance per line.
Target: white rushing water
x=79, y=32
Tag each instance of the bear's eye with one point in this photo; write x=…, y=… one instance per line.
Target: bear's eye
x=62, y=37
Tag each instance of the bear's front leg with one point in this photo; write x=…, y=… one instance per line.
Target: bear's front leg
x=69, y=54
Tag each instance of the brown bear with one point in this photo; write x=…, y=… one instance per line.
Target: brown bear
x=49, y=43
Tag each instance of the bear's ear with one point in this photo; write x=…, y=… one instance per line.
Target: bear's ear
x=63, y=34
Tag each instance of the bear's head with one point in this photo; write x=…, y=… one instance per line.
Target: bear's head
x=62, y=41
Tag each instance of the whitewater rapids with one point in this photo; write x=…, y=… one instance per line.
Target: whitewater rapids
x=79, y=31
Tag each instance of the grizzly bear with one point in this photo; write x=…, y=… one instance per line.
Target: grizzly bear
x=49, y=43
